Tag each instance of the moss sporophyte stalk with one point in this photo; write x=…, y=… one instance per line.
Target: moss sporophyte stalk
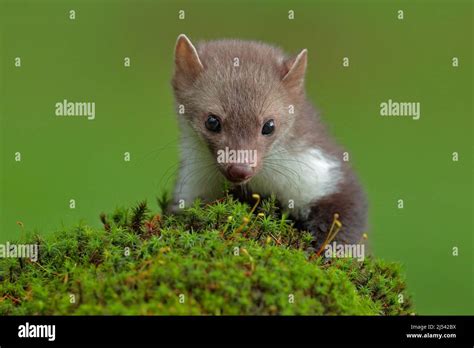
x=220, y=258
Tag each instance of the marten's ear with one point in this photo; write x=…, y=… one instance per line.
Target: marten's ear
x=294, y=70
x=186, y=58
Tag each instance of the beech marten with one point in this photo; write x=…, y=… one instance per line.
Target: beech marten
x=244, y=119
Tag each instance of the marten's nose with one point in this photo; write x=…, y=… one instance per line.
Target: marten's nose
x=239, y=172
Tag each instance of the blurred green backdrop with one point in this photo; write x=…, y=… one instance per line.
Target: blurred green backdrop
x=396, y=158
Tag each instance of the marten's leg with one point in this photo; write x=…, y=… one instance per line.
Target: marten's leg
x=351, y=206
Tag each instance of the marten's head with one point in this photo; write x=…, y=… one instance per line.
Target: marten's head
x=239, y=97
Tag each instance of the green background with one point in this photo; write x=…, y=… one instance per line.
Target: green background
x=67, y=158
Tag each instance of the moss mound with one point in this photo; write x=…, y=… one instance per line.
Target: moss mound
x=205, y=261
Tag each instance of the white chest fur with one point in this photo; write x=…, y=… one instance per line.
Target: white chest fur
x=298, y=179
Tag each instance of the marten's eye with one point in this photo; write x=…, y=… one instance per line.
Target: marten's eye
x=213, y=124
x=268, y=127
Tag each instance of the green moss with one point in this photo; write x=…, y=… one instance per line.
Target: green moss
x=140, y=263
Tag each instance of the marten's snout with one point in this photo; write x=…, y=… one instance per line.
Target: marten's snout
x=239, y=172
